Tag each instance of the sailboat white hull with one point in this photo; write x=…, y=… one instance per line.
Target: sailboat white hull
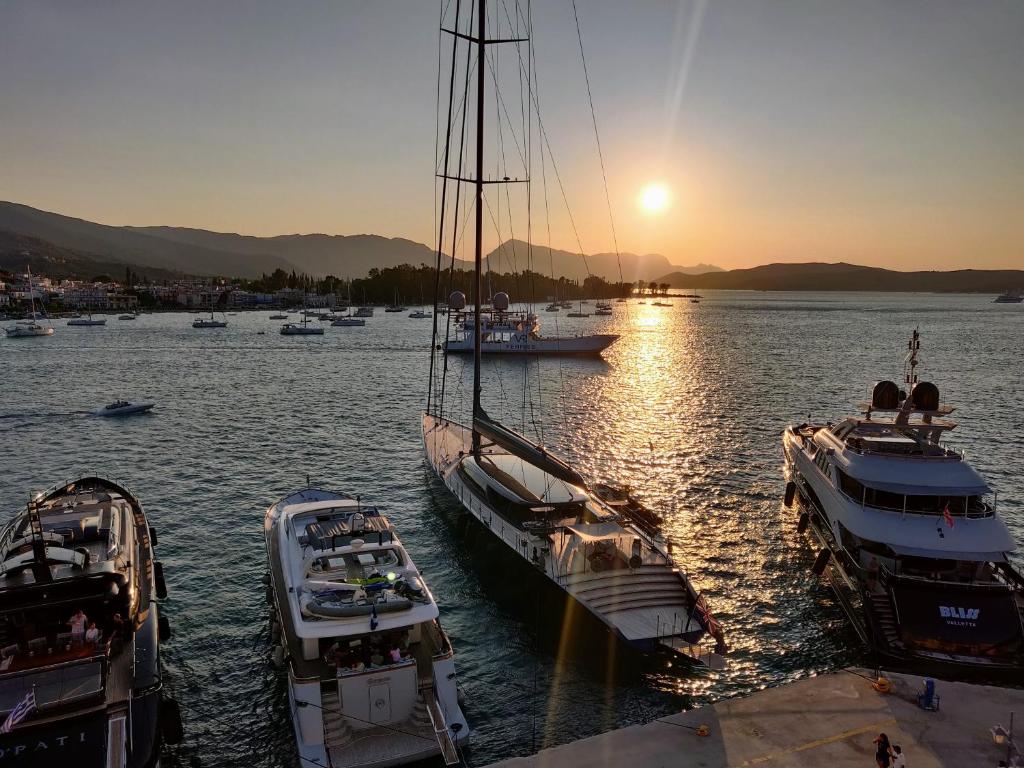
x=27, y=331
x=649, y=606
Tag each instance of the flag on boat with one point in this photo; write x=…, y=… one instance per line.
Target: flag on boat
x=947, y=516
x=710, y=622
x=25, y=708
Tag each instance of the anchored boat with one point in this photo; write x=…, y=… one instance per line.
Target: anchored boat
x=81, y=632
x=371, y=672
x=908, y=531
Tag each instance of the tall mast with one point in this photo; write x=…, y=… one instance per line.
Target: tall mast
x=478, y=252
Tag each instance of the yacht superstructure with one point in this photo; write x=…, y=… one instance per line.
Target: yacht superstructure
x=81, y=633
x=909, y=534
x=371, y=672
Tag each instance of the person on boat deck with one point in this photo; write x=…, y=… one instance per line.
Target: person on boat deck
x=92, y=634
x=118, y=626
x=78, y=623
x=873, y=573
x=396, y=654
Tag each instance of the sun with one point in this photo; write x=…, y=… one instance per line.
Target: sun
x=654, y=198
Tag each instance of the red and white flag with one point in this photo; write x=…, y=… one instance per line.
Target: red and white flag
x=947, y=516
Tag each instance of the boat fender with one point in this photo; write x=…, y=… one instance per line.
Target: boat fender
x=85, y=554
x=265, y=579
x=152, y=536
x=170, y=721
x=164, y=629
x=275, y=632
x=821, y=561
x=277, y=656
x=158, y=575
x=801, y=524
x=790, y=493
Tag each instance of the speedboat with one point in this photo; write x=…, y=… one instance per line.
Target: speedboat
x=80, y=677
x=552, y=308
x=1010, y=297
x=603, y=311
x=127, y=317
x=123, y=408
x=908, y=532
x=514, y=333
x=371, y=672
x=279, y=317
x=419, y=314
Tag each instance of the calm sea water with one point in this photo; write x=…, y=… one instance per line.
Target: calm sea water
x=687, y=408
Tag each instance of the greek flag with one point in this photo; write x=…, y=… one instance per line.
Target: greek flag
x=20, y=712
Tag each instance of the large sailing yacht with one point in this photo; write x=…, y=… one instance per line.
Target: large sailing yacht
x=584, y=542
x=908, y=531
x=371, y=673
x=80, y=632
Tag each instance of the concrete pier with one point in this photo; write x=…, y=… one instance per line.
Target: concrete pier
x=829, y=721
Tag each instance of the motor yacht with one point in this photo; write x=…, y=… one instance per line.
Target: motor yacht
x=515, y=333
x=909, y=535
x=303, y=329
x=81, y=632
x=348, y=321
x=419, y=314
x=1010, y=297
x=371, y=672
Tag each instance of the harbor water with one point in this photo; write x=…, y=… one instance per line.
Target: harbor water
x=686, y=408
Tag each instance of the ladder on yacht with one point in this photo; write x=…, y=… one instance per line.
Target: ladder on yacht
x=444, y=738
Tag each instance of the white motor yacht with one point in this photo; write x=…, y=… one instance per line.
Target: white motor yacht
x=371, y=672
x=515, y=333
x=908, y=531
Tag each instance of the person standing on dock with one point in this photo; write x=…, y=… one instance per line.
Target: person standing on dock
x=898, y=760
x=883, y=751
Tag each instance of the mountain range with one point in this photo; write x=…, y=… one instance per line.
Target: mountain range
x=201, y=252
x=817, y=276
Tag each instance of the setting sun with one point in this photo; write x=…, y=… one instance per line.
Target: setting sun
x=654, y=198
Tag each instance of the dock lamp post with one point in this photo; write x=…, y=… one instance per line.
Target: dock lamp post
x=1001, y=736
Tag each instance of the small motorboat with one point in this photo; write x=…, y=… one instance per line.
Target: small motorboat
x=78, y=320
x=346, y=321
x=279, y=317
x=603, y=312
x=126, y=317
x=419, y=314
x=291, y=329
x=123, y=408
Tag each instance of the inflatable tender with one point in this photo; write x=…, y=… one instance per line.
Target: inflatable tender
x=325, y=606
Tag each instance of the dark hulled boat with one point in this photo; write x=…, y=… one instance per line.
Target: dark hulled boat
x=80, y=632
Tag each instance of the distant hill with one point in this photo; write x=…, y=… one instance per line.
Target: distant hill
x=339, y=255
x=202, y=252
x=123, y=244
x=513, y=254
x=18, y=251
x=849, y=277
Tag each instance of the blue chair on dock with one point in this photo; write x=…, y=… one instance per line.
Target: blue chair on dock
x=928, y=699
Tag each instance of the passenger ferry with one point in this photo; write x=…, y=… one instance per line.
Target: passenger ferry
x=80, y=632
x=909, y=534
x=371, y=672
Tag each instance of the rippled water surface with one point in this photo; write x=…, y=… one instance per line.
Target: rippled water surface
x=687, y=408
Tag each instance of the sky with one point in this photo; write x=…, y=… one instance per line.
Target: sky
x=881, y=133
